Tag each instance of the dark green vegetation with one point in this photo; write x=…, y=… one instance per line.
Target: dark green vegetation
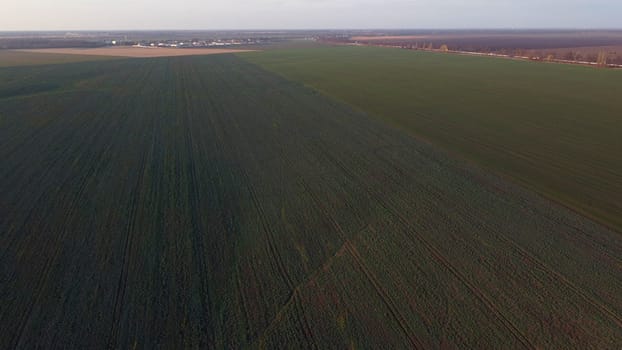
x=10, y=58
x=555, y=129
x=204, y=202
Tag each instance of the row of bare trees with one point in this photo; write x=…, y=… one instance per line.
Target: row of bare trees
x=602, y=57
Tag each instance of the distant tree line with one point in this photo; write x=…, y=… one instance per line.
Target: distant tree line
x=601, y=57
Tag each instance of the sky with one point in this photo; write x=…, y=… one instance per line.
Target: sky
x=306, y=14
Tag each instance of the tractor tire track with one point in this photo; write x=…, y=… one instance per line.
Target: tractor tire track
x=45, y=275
x=604, y=310
x=385, y=298
x=297, y=294
x=129, y=230
x=198, y=246
x=302, y=320
x=270, y=240
x=131, y=222
x=439, y=257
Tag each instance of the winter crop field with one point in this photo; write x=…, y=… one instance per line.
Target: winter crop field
x=554, y=128
x=309, y=199
x=13, y=58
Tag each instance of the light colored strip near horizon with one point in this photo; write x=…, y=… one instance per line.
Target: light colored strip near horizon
x=135, y=52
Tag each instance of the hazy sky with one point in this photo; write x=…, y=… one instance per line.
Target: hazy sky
x=307, y=14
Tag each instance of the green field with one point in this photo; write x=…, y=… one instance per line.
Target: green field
x=203, y=202
x=12, y=58
x=553, y=128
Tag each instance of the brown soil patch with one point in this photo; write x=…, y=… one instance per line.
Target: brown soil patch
x=127, y=51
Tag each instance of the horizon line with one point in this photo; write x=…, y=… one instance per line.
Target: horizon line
x=317, y=29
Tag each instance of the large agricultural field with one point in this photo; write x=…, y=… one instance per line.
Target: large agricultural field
x=552, y=128
x=578, y=46
x=136, y=52
x=37, y=57
x=205, y=202
x=12, y=58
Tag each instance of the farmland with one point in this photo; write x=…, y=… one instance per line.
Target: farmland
x=554, y=129
x=136, y=52
x=10, y=58
x=206, y=202
x=492, y=40
x=33, y=57
x=568, y=45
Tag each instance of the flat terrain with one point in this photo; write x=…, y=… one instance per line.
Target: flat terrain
x=205, y=202
x=10, y=58
x=388, y=37
x=570, y=45
x=495, y=40
x=589, y=53
x=552, y=128
x=142, y=52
